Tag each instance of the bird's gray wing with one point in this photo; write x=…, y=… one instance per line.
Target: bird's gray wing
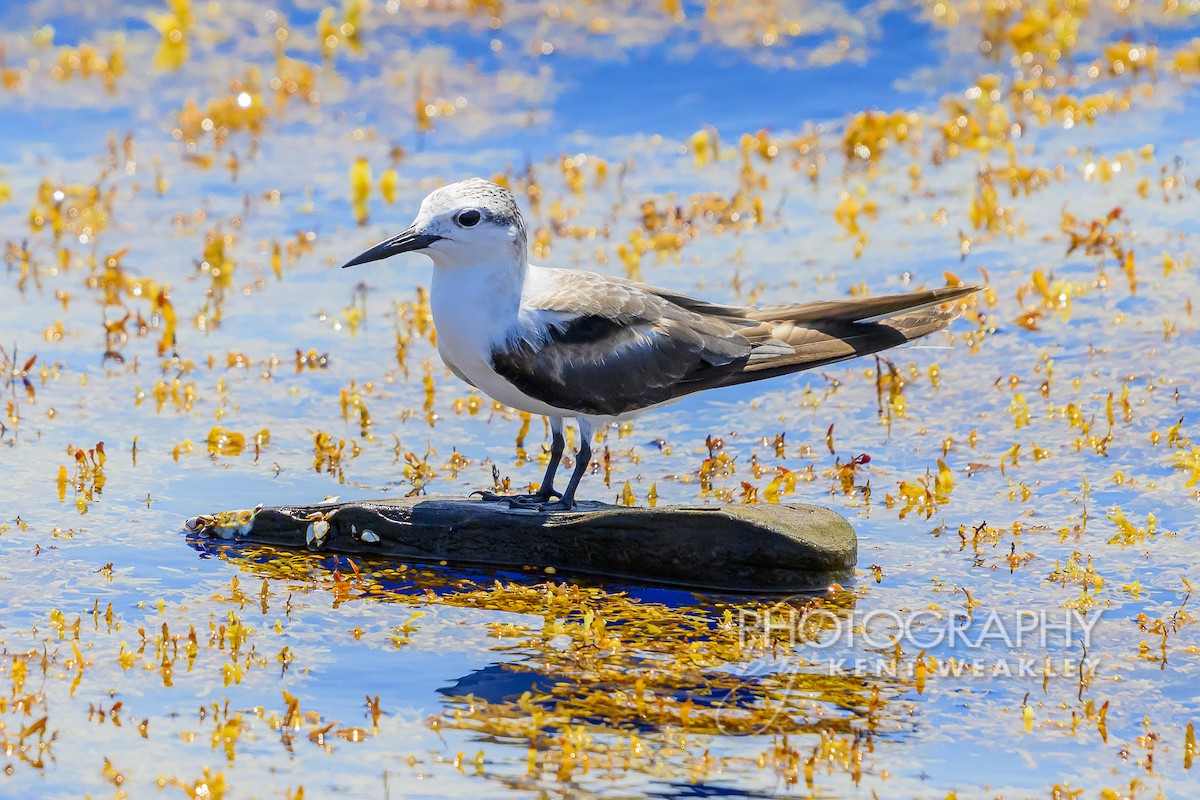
x=631, y=355
x=620, y=346
x=858, y=309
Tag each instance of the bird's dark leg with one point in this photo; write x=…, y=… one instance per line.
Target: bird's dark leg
x=546, y=492
x=583, y=459
x=566, y=501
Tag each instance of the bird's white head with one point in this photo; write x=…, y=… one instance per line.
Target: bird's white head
x=461, y=225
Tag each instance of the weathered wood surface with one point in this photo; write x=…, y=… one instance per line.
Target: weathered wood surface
x=749, y=548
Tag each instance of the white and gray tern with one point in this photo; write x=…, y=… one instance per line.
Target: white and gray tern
x=569, y=343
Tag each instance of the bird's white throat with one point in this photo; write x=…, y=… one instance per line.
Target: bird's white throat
x=474, y=308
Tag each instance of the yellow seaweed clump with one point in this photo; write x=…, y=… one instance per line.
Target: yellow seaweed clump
x=242, y=109
x=1125, y=58
x=86, y=61
x=1039, y=31
x=360, y=189
x=1187, y=60
x=847, y=214
x=328, y=454
x=174, y=27
x=872, y=133
x=224, y=442
x=75, y=209
x=348, y=32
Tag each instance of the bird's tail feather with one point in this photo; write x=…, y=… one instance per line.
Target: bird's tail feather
x=849, y=331
x=861, y=309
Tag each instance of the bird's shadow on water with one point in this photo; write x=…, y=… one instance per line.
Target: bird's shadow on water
x=508, y=682
x=678, y=789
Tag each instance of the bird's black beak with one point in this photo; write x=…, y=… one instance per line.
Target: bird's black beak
x=400, y=243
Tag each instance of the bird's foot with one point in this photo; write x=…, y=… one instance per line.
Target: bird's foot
x=538, y=501
x=491, y=497
x=533, y=503
x=552, y=505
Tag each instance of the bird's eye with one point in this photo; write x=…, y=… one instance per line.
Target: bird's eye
x=468, y=218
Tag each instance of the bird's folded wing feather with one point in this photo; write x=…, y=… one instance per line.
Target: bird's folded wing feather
x=862, y=309
x=610, y=365
x=607, y=346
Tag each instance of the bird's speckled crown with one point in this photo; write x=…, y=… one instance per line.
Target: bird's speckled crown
x=495, y=203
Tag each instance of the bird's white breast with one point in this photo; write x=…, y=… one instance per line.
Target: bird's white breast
x=475, y=311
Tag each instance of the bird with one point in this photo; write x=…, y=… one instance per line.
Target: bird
x=571, y=343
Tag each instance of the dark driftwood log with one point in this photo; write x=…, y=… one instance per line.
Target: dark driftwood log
x=747, y=548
